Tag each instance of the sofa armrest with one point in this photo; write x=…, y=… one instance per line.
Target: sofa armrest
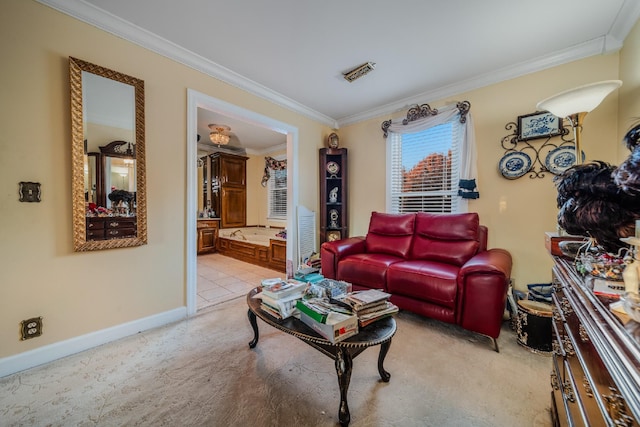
x=482, y=291
x=492, y=261
x=332, y=252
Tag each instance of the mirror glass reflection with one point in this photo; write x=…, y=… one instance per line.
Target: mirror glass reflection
x=108, y=134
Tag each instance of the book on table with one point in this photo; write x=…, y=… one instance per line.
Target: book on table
x=360, y=300
x=380, y=312
x=285, y=289
x=281, y=308
x=369, y=305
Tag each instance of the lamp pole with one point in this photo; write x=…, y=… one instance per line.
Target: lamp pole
x=576, y=123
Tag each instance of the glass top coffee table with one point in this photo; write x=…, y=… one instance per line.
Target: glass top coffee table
x=343, y=352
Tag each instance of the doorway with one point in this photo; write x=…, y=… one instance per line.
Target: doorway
x=197, y=100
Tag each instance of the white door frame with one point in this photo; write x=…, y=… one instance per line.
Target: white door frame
x=197, y=100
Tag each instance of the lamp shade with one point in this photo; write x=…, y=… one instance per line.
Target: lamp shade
x=582, y=99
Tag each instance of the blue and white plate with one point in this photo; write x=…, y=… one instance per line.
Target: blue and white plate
x=514, y=164
x=560, y=159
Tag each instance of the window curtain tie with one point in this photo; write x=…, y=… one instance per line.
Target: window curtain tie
x=466, y=189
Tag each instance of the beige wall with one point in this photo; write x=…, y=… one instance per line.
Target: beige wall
x=517, y=212
x=40, y=275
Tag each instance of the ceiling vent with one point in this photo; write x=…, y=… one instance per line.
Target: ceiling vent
x=359, y=71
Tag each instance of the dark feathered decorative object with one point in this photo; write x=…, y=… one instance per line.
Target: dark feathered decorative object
x=117, y=196
x=601, y=201
x=627, y=176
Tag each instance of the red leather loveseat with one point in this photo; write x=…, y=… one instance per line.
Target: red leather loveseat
x=435, y=265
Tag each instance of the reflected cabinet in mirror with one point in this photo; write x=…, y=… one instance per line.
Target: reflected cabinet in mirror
x=108, y=158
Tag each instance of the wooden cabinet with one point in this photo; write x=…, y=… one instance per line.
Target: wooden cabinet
x=207, y=235
x=278, y=255
x=111, y=227
x=334, y=215
x=228, y=189
x=595, y=372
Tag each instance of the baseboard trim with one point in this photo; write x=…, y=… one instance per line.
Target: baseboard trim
x=29, y=359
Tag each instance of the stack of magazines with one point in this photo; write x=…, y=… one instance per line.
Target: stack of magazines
x=279, y=296
x=370, y=305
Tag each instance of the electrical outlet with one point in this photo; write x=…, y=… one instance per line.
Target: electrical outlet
x=31, y=328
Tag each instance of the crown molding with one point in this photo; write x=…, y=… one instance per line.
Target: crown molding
x=112, y=24
x=594, y=47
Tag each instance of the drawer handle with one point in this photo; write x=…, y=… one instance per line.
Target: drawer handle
x=617, y=408
x=568, y=346
x=567, y=390
x=583, y=333
x=90, y=225
x=566, y=306
x=587, y=387
x=114, y=224
x=114, y=232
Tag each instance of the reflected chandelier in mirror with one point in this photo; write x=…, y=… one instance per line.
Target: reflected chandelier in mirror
x=108, y=158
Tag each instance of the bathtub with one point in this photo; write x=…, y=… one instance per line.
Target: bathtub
x=256, y=245
x=255, y=235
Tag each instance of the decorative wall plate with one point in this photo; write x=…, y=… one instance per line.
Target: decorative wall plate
x=514, y=164
x=560, y=159
x=333, y=168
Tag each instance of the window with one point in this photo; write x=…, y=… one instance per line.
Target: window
x=277, y=199
x=424, y=169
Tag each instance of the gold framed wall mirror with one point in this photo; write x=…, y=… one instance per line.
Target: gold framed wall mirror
x=108, y=158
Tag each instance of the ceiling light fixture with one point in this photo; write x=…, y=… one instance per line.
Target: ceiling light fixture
x=359, y=71
x=574, y=104
x=217, y=135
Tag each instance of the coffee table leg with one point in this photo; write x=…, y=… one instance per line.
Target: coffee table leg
x=384, y=348
x=344, y=364
x=254, y=325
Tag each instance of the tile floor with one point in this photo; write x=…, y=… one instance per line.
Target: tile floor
x=221, y=278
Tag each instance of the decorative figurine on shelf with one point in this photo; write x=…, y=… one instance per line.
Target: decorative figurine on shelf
x=333, y=195
x=333, y=140
x=333, y=218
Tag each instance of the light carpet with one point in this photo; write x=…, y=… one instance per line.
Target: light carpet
x=201, y=372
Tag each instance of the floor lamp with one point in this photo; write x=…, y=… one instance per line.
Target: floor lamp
x=574, y=104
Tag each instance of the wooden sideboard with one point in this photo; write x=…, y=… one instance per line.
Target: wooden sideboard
x=207, y=235
x=111, y=227
x=595, y=375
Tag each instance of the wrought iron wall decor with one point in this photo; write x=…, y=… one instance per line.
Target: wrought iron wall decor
x=524, y=156
x=425, y=110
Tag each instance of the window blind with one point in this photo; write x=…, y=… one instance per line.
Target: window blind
x=425, y=169
x=277, y=199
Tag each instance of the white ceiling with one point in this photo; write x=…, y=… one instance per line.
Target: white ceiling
x=293, y=52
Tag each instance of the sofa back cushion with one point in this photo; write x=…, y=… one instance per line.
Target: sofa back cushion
x=450, y=238
x=390, y=234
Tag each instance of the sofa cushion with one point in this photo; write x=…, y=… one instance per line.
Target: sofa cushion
x=424, y=280
x=368, y=270
x=390, y=234
x=451, y=238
